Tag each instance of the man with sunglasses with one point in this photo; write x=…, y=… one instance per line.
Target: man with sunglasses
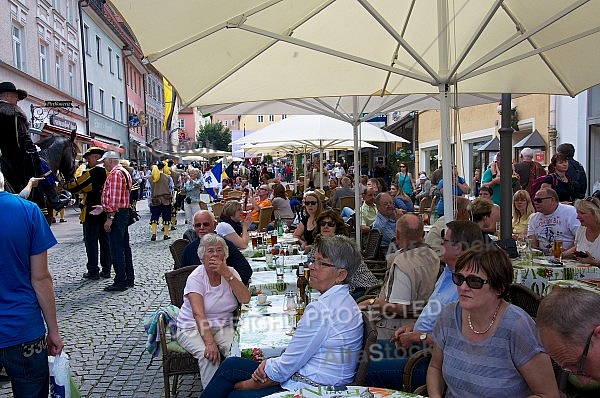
x=552, y=221
x=258, y=201
x=386, y=368
x=568, y=322
x=204, y=223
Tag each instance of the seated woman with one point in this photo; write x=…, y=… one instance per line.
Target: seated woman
x=586, y=238
x=306, y=226
x=522, y=211
x=486, y=192
x=484, y=346
x=233, y=226
x=401, y=200
x=211, y=294
x=326, y=345
x=330, y=223
x=281, y=204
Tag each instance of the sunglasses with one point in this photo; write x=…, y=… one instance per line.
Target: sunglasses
x=540, y=200
x=591, y=200
x=204, y=224
x=473, y=281
x=323, y=223
x=581, y=363
x=310, y=203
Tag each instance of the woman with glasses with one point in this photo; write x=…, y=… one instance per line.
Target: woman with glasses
x=586, y=248
x=324, y=350
x=330, y=223
x=212, y=292
x=484, y=346
x=233, y=225
x=522, y=211
x=405, y=181
x=308, y=223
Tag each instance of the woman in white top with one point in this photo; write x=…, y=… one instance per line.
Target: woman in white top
x=233, y=226
x=586, y=237
x=211, y=294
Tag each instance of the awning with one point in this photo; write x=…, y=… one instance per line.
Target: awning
x=533, y=140
x=107, y=146
x=492, y=145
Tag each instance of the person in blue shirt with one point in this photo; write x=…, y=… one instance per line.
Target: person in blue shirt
x=459, y=188
x=326, y=345
x=385, y=221
x=387, y=366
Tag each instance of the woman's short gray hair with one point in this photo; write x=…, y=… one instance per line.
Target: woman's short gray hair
x=342, y=252
x=211, y=240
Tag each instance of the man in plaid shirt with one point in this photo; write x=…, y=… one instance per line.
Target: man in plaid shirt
x=115, y=202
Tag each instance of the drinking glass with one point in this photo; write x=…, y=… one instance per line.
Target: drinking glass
x=557, y=249
x=290, y=307
x=254, y=237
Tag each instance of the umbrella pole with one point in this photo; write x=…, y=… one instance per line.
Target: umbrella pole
x=446, y=154
x=506, y=133
x=356, y=152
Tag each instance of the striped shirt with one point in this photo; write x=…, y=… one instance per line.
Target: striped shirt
x=115, y=194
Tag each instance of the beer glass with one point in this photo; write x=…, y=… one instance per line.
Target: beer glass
x=557, y=249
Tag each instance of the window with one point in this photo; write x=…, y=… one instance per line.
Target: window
x=44, y=63
x=271, y=118
x=181, y=123
x=99, y=50
x=232, y=122
x=224, y=123
x=110, y=61
x=113, y=102
x=90, y=91
x=101, y=98
x=70, y=12
x=56, y=5
x=71, y=77
x=59, y=72
x=86, y=39
x=118, y=62
x=260, y=118
x=17, y=41
x=283, y=116
x=121, y=111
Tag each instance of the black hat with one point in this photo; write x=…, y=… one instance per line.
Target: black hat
x=9, y=87
x=93, y=150
x=170, y=162
x=160, y=164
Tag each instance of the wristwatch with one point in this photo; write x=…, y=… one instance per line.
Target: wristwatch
x=230, y=278
x=423, y=337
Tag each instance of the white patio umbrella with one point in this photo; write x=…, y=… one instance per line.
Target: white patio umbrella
x=278, y=49
x=194, y=158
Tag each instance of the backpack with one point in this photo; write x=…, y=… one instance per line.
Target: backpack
x=537, y=183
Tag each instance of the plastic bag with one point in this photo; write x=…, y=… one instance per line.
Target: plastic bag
x=60, y=386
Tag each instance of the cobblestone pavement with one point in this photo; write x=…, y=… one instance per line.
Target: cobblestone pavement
x=104, y=332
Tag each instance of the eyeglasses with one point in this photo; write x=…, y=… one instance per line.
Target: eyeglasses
x=204, y=224
x=402, y=165
x=540, y=200
x=473, y=281
x=310, y=203
x=323, y=223
x=582, y=360
x=321, y=263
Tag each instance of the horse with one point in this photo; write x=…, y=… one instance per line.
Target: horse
x=59, y=153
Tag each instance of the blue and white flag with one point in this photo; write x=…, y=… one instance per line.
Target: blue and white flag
x=212, y=179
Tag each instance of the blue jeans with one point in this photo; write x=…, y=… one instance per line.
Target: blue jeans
x=92, y=234
x=27, y=366
x=120, y=251
x=387, y=370
x=232, y=370
x=347, y=213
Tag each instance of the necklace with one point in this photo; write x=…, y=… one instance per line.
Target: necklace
x=489, y=326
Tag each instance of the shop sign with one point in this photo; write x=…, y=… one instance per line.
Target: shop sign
x=63, y=123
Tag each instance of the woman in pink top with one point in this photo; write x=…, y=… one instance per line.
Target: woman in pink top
x=212, y=292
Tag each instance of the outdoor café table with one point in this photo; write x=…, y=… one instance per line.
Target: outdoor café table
x=263, y=327
x=266, y=281
x=351, y=391
x=593, y=286
x=538, y=274
x=259, y=263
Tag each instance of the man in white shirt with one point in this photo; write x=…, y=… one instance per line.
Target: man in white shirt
x=552, y=221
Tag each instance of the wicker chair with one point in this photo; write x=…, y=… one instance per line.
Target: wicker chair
x=372, y=251
x=432, y=209
x=369, y=340
x=425, y=206
x=264, y=217
x=346, y=201
x=523, y=297
x=176, y=361
x=217, y=209
x=176, y=248
x=418, y=361
x=203, y=205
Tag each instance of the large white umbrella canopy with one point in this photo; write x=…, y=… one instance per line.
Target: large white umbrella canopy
x=278, y=49
x=295, y=146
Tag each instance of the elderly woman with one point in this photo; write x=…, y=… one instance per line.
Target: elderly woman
x=233, y=226
x=192, y=187
x=212, y=292
x=330, y=223
x=522, y=211
x=327, y=341
x=306, y=226
x=484, y=346
x=587, y=245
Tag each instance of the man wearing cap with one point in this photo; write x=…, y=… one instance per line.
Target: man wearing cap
x=19, y=155
x=115, y=203
x=423, y=186
x=89, y=185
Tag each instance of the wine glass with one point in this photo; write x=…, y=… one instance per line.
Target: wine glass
x=290, y=307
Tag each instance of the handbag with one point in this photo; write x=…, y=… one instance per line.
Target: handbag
x=133, y=216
